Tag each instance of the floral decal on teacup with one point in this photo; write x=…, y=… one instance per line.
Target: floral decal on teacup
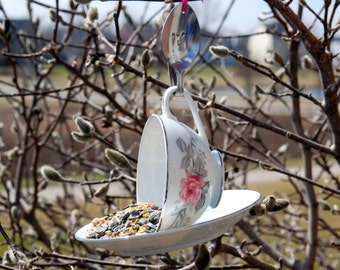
x=193, y=188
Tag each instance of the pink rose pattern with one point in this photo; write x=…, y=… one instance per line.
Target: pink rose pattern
x=191, y=188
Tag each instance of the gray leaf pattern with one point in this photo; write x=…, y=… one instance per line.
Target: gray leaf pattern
x=198, y=167
x=200, y=203
x=185, y=163
x=187, y=149
x=181, y=145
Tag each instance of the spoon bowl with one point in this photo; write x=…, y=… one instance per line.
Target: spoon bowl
x=181, y=41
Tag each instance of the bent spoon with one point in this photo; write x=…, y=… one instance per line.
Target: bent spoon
x=181, y=41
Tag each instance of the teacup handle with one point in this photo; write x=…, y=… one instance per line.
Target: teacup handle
x=166, y=110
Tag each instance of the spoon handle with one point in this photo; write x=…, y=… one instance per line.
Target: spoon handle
x=180, y=82
x=172, y=75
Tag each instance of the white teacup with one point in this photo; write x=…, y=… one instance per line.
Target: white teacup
x=176, y=169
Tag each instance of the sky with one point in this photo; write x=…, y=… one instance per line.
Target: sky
x=242, y=19
x=209, y=13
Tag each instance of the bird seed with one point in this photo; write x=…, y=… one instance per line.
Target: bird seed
x=135, y=219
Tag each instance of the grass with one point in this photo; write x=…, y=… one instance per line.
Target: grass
x=245, y=77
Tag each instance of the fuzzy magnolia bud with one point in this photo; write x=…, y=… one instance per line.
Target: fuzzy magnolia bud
x=53, y=15
x=7, y=25
x=12, y=257
x=146, y=58
x=56, y=138
x=6, y=259
x=307, y=62
x=280, y=204
x=258, y=210
x=16, y=213
x=219, y=51
x=269, y=202
x=108, y=116
x=117, y=158
x=213, y=119
x=72, y=4
x=283, y=149
x=278, y=59
x=335, y=210
x=13, y=153
x=4, y=27
x=84, y=126
x=80, y=137
x=36, y=23
x=102, y=190
x=55, y=240
x=257, y=251
x=50, y=174
x=74, y=218
x=254, y=135
x=91, y=17
x=92, y=14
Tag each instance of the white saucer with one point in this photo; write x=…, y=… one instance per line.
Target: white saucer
x=234, y=206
